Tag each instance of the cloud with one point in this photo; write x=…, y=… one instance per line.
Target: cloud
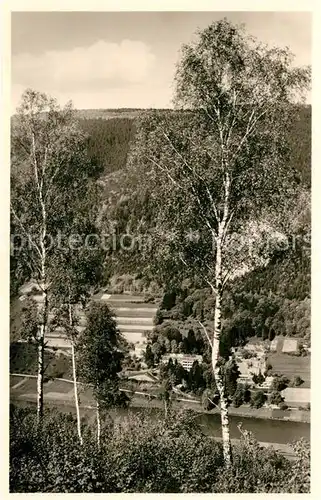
x=144, y=95
x=97, y=67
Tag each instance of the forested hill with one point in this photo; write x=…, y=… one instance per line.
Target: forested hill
x=276, y=296
x=111, y=131
x=285, y=281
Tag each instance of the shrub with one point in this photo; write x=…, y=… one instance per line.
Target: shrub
x=279, y=383
x=296, y=381
x=275, y=398
x=238, y=398
x=258, y=379
x=258, y=399
x=143, y=455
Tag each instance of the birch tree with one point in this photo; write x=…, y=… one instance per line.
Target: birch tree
x=78, y=269
x=48, y=159
x=71, y=292
x=101, y=351
x=216, y=167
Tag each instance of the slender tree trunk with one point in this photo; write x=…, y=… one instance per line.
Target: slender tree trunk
x=215, y=354
x=165, y=408
x=74, y=370
x=43, y=280
x=41, y=341
x=98, y=423
x=41, y=352
x=74, y=375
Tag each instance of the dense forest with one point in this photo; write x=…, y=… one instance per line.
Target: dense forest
x=269, y=300
x=110, y=138
x=272, y=299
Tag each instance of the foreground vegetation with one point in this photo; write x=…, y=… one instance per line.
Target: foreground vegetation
x=137, y=454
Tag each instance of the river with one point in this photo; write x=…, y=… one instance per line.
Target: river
x=264, y=430
x=268, y=431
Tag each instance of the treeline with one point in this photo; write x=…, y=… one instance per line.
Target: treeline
x=141, y=455
x=110, y=138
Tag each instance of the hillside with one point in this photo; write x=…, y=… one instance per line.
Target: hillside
x=286, y=278
x=111, y=131
x=271, y=300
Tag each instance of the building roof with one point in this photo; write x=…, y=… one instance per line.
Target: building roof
x=143, y=377
x=296, y=395
x=182, y=356
x=290, y=345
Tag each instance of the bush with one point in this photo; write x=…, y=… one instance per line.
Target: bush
x=258, y=379
x=246, y=394
x=296, y=381
x=279, y=383
x=275, y=398
x=238, y=398
x=283, y=406
x=143, y=455
x=258, y=399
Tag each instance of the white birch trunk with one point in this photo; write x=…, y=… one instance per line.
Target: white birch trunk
x=40, y=372
x=74, y=370
x=74, y=375
x=43, y=280
x=215, y=355
x=98, y=424
x=41, y=340
x=165, y=408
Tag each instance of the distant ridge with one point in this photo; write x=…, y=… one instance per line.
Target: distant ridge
x=108, y=114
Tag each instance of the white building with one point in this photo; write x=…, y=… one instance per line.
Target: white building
x=296, y=396
x=186, y=360
x=290, y=345
x=250, y=367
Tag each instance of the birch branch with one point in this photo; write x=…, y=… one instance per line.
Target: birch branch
x=212, y=402
x=205, y=331
x=165, y=170
x=24, y=230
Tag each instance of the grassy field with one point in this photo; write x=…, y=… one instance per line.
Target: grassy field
x=23, y=359
x=291, y=366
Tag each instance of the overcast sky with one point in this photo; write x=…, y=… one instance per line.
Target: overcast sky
x=112, y=60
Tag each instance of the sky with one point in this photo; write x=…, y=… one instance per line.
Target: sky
x=126, y=59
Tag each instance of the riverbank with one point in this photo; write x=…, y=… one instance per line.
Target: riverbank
x=59, y=393
x=62, y=390
x=247, y=411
